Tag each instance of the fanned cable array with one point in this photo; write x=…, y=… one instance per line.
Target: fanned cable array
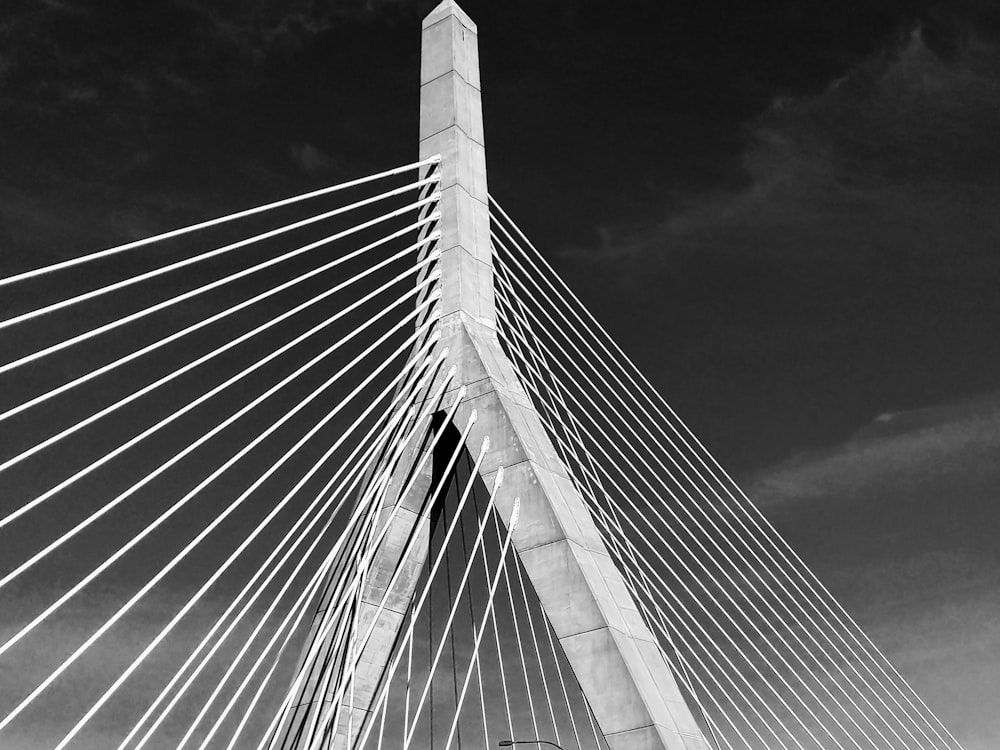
x=475, y=660
x=194, y=427
x=765, y=655
x=205, y=449
x=246, y=503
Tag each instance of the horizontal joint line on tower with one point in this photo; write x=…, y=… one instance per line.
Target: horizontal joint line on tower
x=449, y=127
x=459, y=185
x=522, y=550
x=605, y=626
x=448, y=72
x=677, y=732
x=471, y=382
x=463, y=248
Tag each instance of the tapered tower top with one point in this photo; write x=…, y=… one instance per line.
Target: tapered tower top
x=451, y=124
x=449, y=8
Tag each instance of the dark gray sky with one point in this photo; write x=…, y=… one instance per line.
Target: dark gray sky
x=797, y=199
x=808, y=189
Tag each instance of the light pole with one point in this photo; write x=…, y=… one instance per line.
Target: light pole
x=511, y=743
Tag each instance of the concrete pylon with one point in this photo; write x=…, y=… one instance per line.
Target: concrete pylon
x=615, y=658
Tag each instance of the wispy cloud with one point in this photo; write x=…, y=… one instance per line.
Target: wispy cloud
x=62, y=53
x=313, y=160
x=923, y=450
x=261, y=28
x=896, y=157
x=900, y=523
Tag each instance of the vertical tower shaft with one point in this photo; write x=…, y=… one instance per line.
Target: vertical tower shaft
x=615, y=658
x=451, y=125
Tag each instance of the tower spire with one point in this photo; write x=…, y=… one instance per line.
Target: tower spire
x=451, y=124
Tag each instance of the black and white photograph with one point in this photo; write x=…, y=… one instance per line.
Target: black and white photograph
x=438, y=375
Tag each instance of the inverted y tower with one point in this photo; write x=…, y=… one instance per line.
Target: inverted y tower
x=615, y=658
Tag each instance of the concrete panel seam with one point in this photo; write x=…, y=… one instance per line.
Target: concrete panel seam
x=592, y=630
x=457, y=186
x=457, y=75
x=452, y=127
x=666, y=729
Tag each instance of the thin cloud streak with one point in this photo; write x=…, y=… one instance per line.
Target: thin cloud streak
x=899, y=522
x=896, y=158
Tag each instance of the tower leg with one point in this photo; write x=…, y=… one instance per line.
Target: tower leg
x=404, y=546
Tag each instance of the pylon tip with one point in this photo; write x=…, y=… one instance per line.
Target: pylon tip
x=448, y=8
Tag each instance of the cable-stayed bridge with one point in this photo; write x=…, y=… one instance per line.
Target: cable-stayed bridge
x=356, y=469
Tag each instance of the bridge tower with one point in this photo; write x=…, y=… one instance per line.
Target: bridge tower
x=616, y=659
